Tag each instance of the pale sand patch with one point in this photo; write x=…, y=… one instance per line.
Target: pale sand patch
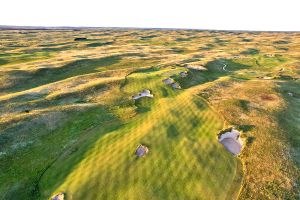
x=141, y=151
x=196, y=67
x=172, y=83
x=144, y=93
x=59, y=196
x=231, y=141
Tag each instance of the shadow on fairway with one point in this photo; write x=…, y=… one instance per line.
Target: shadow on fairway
x=27, y=79
x=214, y=71
x=288, y=118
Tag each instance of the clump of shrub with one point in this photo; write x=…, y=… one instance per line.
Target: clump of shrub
x=250, y=51
x=281, y=42
x=98, y=44
x=247, y=40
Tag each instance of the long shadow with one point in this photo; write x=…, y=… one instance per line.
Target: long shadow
x=74, y=157
x=27, y=79
x=52, y=148
x=47, y=49
x=68, y=164
x=3, y=62
x=289, y=118
x=214, y=71
x=96, y=125
x=99, y=44
x=143, y=70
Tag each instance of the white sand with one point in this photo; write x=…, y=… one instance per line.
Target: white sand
x=144, y=93
x=196, y=67
x=232, y=141
x=168, y=81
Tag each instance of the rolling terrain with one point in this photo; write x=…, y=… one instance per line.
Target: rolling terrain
x=69, y=123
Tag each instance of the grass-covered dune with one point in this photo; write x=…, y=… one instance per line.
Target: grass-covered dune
x=69, y=123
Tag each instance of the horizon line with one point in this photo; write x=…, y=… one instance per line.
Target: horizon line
x=41, y=27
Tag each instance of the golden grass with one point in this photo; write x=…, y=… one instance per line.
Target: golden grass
x=86, y=91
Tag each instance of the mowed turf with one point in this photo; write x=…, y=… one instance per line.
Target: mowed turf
x=185, y=159
x=68, y=122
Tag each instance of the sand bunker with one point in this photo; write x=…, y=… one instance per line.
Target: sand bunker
x=141, y=151
x=144, y=93
x=172, y=83
x=59, y=196
x=176, y=85
x=231, y=140
x=168, y=81
x=183, y=74
x=196, y=67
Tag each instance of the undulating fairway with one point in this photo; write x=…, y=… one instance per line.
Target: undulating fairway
x=69, y=123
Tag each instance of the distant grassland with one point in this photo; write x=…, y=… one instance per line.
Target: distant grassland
x=68, y=122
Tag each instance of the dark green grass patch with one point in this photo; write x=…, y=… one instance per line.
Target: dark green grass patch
x=178, y=50
x=148, y=37
x=208, y=47
x=281, y=42
x=15, y=58
x=247, y=40
x=214, y=71
x=250, y=51
x=245, y=127
x=289, y=118
x=242, y=104
x=147, y=70
x=282, y=48
x=54, y=44
x=277, y=60
x=144, y=104
x=221, y=42
x=183, y=39
x=99, y=44
x=45, y=50
x=20, y=171
x=172, y=132
x=48, y=75
x=3, y=62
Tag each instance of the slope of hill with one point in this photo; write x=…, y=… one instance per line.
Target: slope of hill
x=69, y=122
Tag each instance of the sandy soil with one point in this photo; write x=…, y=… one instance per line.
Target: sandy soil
x=232, y=145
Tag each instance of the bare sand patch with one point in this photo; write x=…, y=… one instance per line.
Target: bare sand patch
x=168, y=81
x=183, y=74
x=59, y=196
x=141, y=151
x=230, y=138
x=144, y=93
x=196, y=67
x=171, y=82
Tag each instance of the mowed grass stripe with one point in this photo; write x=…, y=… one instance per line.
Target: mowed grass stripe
x=187, y=165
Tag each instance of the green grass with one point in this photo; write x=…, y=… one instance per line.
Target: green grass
x=99, y=44
x=173, y=133
x=250, y=51
x=73, y=127
x=17, y=58
x=3, y=62
x=20, y=182
x=48, y=75
x=289, y=118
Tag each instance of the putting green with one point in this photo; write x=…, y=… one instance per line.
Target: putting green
x=185, y=160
